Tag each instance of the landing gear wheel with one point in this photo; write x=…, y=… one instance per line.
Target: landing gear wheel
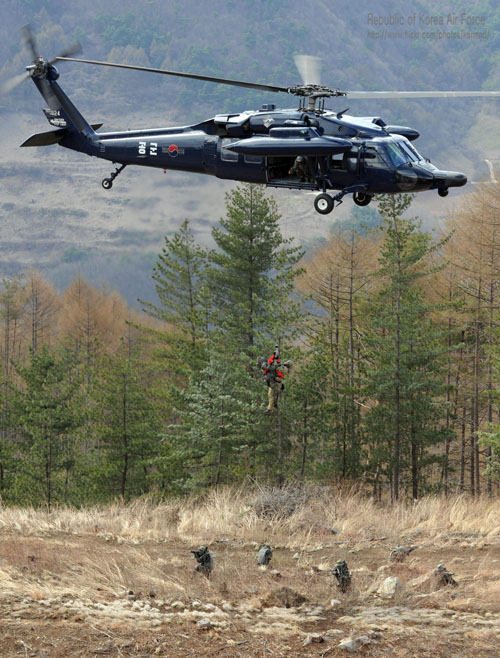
x=443, y=191
x=107, y=183
x=361, y=199
x=323, y=204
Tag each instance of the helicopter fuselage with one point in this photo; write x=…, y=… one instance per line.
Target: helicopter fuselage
x=385, y=164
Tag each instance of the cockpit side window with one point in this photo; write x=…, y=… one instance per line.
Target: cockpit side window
x=374, y=157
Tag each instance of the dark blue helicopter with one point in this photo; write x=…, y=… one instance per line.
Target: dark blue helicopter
x=308, y=148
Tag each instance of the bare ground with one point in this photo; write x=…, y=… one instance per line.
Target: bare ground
x=66, y=583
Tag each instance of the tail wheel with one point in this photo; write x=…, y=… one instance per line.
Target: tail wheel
x=361, y=199
x=443, y=191
x=323, y=204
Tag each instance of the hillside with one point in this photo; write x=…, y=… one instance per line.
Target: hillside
x=120, y=581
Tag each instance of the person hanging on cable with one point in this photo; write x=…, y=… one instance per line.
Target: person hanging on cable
x=274, y=375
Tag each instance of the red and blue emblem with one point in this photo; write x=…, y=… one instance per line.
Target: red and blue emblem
x=173, y=150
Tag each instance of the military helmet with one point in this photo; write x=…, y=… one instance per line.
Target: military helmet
x=300, y=158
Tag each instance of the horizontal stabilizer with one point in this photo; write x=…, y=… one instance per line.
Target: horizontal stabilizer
x=45, y=139
x=51, y=137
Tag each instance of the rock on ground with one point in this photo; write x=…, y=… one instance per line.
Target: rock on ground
x=390, y=588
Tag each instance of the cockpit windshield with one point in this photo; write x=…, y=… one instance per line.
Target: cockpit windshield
x=402, y=152
x=388, y=154
x=397, y=155
x=412, y=152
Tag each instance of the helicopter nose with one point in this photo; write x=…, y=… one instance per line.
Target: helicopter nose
x=414, y=178
x=450, y=179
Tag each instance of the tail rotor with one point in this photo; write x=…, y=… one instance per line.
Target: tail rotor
x=39, y=67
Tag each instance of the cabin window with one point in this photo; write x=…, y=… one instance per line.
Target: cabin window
x=253, y=159
x=225, y=154
x=338, y=161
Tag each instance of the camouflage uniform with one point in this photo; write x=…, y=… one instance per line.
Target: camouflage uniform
x=275, y=382
x=444, y=577
x=400, y=553
x=204, y=559
x=299, y=168
x=265, y=555
x=342, y=574
x=303, y=168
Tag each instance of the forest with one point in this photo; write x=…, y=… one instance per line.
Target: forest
x=393, y=333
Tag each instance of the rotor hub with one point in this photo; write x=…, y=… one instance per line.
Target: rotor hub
x=315, y=91
x=38, y=68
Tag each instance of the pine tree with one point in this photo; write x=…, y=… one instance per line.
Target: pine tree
x=254, y=270
x=126, y=423
x=310, y=411
x=48, y=412
x=184, y=302
x=218, y=414
x=490, y=439
x=180, y=274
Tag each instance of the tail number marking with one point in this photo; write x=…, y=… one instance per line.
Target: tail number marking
x=153, y=148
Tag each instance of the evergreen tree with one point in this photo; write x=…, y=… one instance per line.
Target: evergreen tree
x=216, y=418
x=184, y=303
x=48, y=412
x=310, y=412
x=7, y=438
x=126, y=424
x=254, y=269
x=219, y=433
x=180, y=273
x=490, y=438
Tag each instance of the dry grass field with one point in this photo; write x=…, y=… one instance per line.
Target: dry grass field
x=120, y=581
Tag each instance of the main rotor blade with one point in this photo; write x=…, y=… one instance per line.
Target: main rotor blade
x=72, y=49
x=9, y=85
x=30, y=42
x=192, y=76
x=309, y=68
x=361, y=95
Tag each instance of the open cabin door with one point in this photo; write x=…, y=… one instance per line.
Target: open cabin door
x=278, y=173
